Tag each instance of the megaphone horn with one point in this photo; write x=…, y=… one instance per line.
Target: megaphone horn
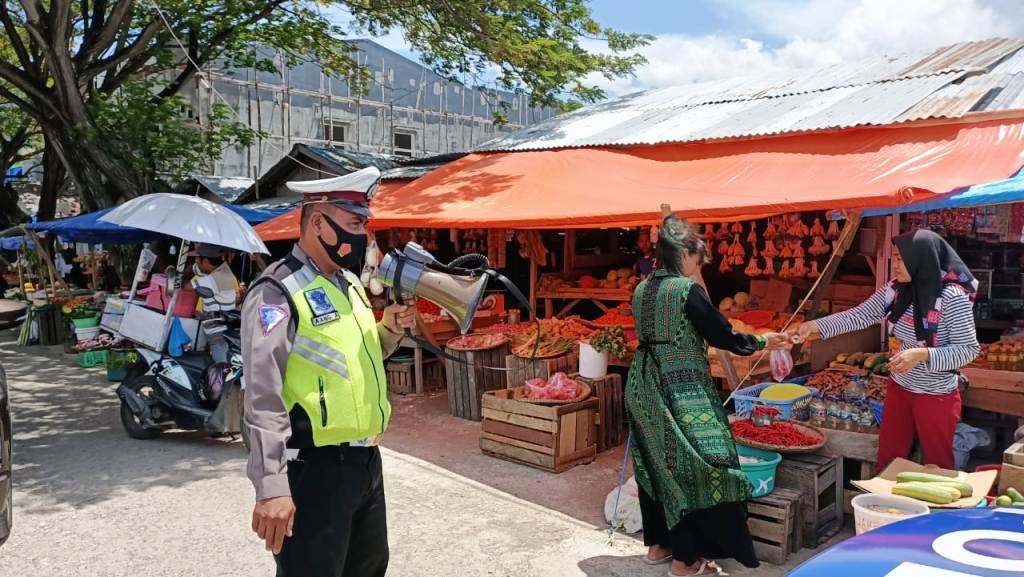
x=408, y=273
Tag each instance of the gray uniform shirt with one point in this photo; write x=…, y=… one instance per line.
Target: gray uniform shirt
x=265, y=348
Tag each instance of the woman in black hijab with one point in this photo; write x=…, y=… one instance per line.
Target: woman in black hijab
x=930, y=312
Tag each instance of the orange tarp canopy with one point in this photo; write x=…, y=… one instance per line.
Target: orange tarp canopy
x=286, y=226
x=605, y=187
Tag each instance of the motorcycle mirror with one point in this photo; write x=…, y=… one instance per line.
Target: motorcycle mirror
x=205, y=292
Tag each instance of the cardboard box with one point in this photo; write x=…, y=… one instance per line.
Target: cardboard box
x=1011, y=476
x=981, y=482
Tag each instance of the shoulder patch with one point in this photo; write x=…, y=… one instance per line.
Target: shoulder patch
x=270, y=317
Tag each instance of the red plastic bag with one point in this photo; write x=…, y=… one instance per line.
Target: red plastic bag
x=782, y=364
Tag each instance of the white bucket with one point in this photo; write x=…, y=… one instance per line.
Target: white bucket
x=87, y=334
x=593, y=364
x=866, y=519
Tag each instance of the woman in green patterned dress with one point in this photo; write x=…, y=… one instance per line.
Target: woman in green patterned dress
x=692, y=492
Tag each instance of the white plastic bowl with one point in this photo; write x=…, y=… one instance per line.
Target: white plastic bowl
x=867, y=519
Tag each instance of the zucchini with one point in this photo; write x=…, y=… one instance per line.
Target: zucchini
x=909, y=476
x=965, y=489
x=1015, y=495
x=924, y=492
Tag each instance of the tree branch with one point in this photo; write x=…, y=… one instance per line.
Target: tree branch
x=215, y=45
x=141, y=45
x=105, y=39
x=15, y=38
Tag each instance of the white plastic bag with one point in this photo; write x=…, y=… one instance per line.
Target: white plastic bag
x=781, y=363
x=628, y=517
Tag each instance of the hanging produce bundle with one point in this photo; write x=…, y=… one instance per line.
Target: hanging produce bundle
x=799, y=268
x=769, y=266
x=813, y=273
x=736, y=251
x=770, y=232
x=769, y=250
x=818, y=246
x=723, y=248
x=817, y=229
x=798, y=249
x=709, y=232
x=723, y=231
x=736, y=228
x=752, y=236
x=752, y=268
x=833, y=230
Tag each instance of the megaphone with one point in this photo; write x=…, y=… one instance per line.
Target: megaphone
x=415, y=271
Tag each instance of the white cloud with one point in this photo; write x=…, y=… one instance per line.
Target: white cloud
x=812, y=33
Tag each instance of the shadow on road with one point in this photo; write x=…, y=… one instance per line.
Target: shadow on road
x=69, y=446
x=421, y=427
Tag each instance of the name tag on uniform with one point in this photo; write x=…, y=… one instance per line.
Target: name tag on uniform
x=323, y=310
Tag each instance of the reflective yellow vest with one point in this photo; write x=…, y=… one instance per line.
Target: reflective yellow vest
x=335, y=371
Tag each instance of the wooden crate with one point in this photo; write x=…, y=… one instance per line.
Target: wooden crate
x=521, y=370
x=469, y=380
x=402, y=376
x=1014, y=454
x=552, y=438
x=820, y=480
x=611, y=422
x=775, y=523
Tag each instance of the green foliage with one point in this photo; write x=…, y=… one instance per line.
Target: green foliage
x=611, y=340
x=89, y=90
x=152, y=137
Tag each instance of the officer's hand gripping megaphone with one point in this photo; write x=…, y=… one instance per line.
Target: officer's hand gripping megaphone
x=452, y=287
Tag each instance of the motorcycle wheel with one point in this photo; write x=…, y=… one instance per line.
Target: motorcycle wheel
x=144, y=387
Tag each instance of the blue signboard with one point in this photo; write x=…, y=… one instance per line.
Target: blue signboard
x=963, y=543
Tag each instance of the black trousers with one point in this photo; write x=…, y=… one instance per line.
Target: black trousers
x=719, y=532
x=340, y=525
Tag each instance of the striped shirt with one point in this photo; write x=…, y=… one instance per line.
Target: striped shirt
x=956, y=338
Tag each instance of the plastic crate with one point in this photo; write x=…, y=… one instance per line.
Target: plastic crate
x=89, y=359
x=799, y=408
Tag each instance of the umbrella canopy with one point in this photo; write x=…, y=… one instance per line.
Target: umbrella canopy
x=190, y=218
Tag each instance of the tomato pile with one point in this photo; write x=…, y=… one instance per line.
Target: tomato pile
x=779, y=434
x=426, y=307
x=621, y=316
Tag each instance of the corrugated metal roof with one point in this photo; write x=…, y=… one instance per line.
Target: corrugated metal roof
x=945, y=82
x=227, y=187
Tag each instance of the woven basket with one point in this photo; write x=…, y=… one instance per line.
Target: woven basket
x=455, y=343
x=806, y=429
x=519, y=394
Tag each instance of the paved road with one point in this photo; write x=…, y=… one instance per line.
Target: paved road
x=89, y=501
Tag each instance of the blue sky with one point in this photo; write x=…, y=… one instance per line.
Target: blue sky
x=700, y=40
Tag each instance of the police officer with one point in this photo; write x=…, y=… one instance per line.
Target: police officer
x=316, y=398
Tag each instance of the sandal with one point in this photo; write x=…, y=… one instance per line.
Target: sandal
x=662, y=561
x=701, y=570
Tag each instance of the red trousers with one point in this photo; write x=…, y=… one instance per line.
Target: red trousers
x=932, y=418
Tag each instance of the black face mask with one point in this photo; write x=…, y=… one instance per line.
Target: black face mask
x=348, y=251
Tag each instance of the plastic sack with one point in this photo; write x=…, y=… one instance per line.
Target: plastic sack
x=628, y=516
x=966, y=438
x=782, y=364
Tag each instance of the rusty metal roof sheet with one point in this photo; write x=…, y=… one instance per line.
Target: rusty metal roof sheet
x=945, y=82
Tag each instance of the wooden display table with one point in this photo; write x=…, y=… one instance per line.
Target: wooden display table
x=576, y=295
x=996, y=391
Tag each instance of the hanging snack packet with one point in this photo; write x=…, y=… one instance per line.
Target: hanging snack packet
x=782, y=364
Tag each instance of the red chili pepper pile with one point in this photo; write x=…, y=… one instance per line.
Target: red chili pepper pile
x=781, y=434
x=766, y=411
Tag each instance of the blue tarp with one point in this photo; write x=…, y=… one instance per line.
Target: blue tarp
x=88, y=228
x=999, y=192
x=15, y=242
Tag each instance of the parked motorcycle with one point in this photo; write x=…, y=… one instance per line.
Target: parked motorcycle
x=198, y=391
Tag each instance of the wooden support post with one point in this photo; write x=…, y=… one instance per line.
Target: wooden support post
x=853, y=220
x=533, y=289
x=55, y=278
x=569, y=251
